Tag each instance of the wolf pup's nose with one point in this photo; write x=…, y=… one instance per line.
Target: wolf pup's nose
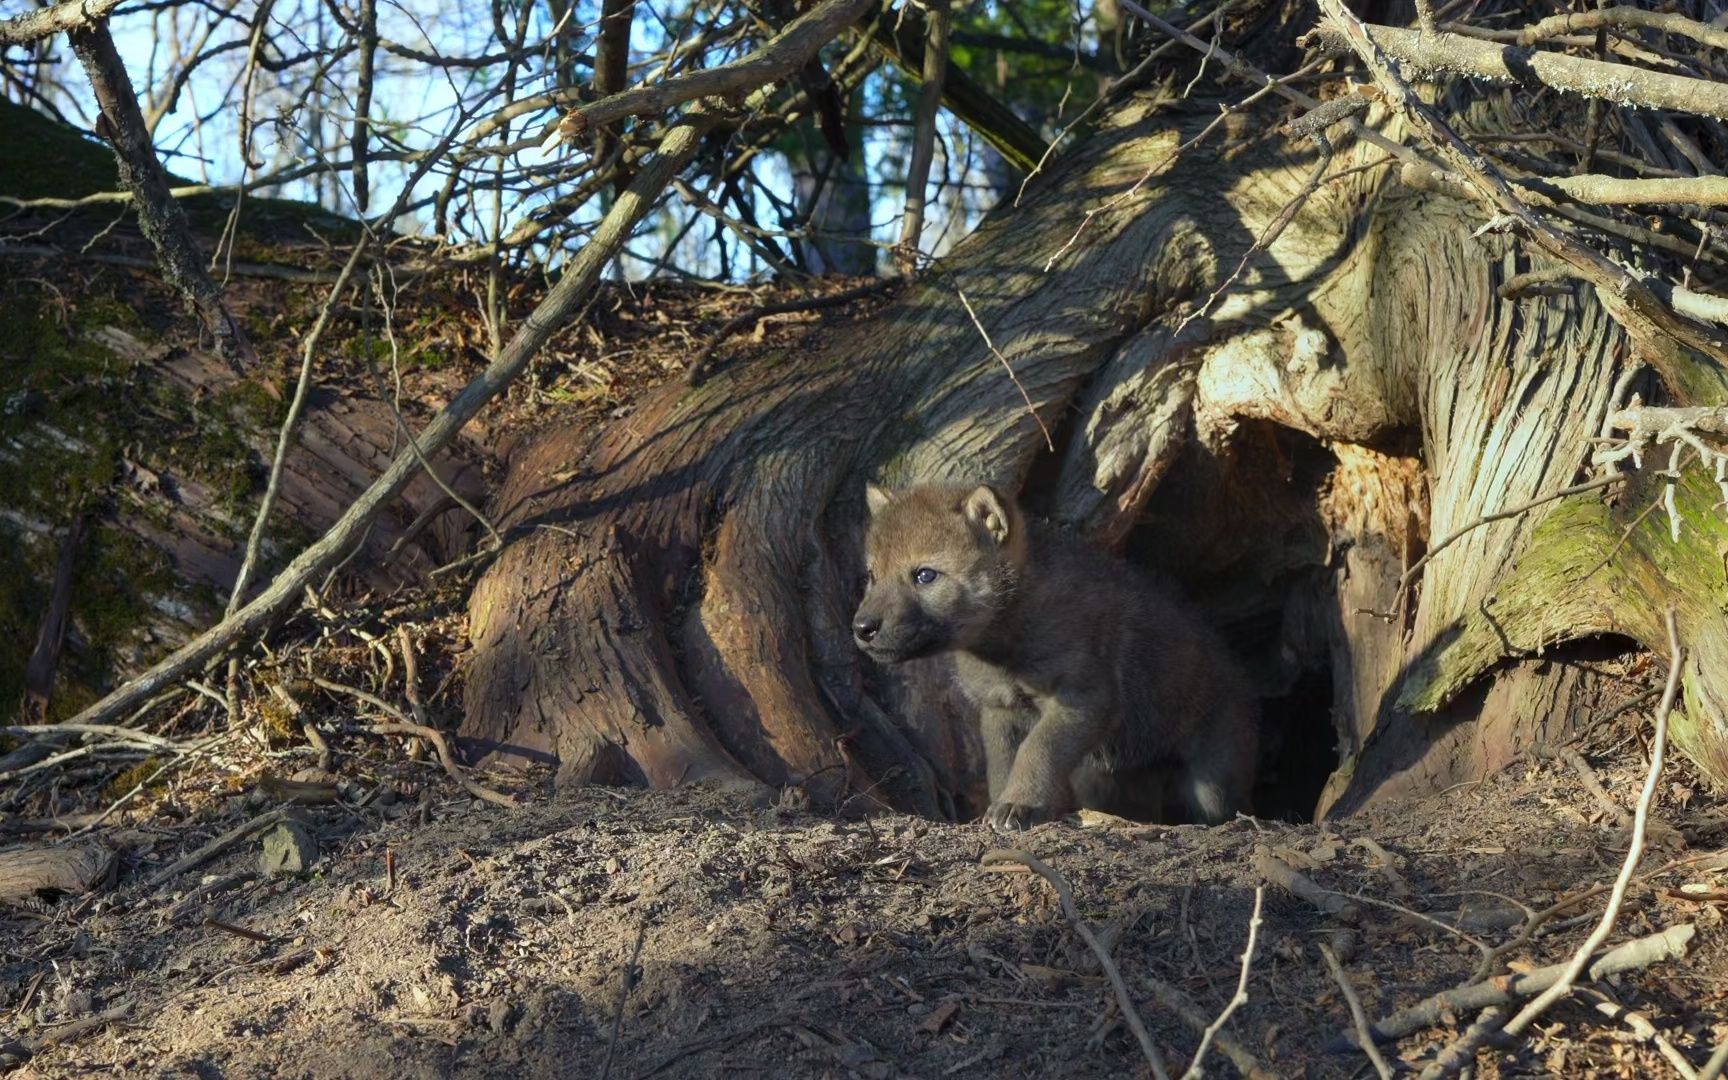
x=865, y=627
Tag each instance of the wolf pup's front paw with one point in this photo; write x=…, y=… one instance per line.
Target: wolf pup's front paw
x=1014, y=817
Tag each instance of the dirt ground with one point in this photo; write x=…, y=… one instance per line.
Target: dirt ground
x=436, y=935
x=618, y=934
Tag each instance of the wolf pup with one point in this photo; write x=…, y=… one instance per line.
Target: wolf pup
x=1092, y=683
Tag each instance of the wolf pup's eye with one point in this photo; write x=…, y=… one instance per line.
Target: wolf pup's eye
x=924, y=575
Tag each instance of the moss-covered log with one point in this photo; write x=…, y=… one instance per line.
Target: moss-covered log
x=159, y=448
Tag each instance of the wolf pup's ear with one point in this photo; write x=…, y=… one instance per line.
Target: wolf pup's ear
x=876, y=498
x=986, y=508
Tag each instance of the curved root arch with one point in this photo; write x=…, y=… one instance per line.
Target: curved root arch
x=673, y=607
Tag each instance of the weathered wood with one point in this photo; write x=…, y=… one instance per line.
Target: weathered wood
x=32, y=874
x=345, y=441
x=677, y=609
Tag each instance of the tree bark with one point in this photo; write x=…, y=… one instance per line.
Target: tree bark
x=672, y=605
x=141, y=173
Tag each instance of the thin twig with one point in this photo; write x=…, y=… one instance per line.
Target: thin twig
x=1190, y=1013
x=1365, y=1038
x=629, y=983
x=1718, y=1061
x=238, y=931
x=1238, y=999
x=1644, y=1029
x=388, y=307
x=112, y=731
x=118, y=804
x=1018, y=385
x=53, y=761
x=1634, y=850
x=1130, y=1015
x=405, y=726
x=1587, y=777
x=1498, y=515
x=411, y=681
x=1274, y=230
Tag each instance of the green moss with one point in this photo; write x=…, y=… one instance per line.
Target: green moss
x=115, y=581
x=253, y=405
x=47, y=159
x=82, y=428
x=77, y=422
x=280, y=724
x=371, y=348
x=23, y=590
x=1561, y=589
x=132, y=777
x=425, y=359
x=1596, y=568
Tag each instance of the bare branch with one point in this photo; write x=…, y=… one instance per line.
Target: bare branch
x=902, y=36
x=1616, y=191
x=775, y=60
x=611, y=65
x=1630, y=298
x=48, y=21
x=1618, y=18
x=924, y=135
x=1639, y=953
x=1239, y=998
x=160, y=217
x=1454, y=54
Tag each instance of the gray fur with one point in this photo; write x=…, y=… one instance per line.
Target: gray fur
x=1093, y=685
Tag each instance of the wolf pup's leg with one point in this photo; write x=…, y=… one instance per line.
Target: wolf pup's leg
x=1002, y=730
x=1219, y=777
x=1038, y=786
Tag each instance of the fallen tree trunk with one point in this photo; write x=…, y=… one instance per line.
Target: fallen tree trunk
x=158, y=454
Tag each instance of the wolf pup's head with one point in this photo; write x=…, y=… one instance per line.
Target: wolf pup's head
x=943, y=561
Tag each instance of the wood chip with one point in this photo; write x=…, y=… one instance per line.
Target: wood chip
x=938, y=1019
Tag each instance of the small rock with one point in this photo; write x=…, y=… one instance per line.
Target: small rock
x=288, y=849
